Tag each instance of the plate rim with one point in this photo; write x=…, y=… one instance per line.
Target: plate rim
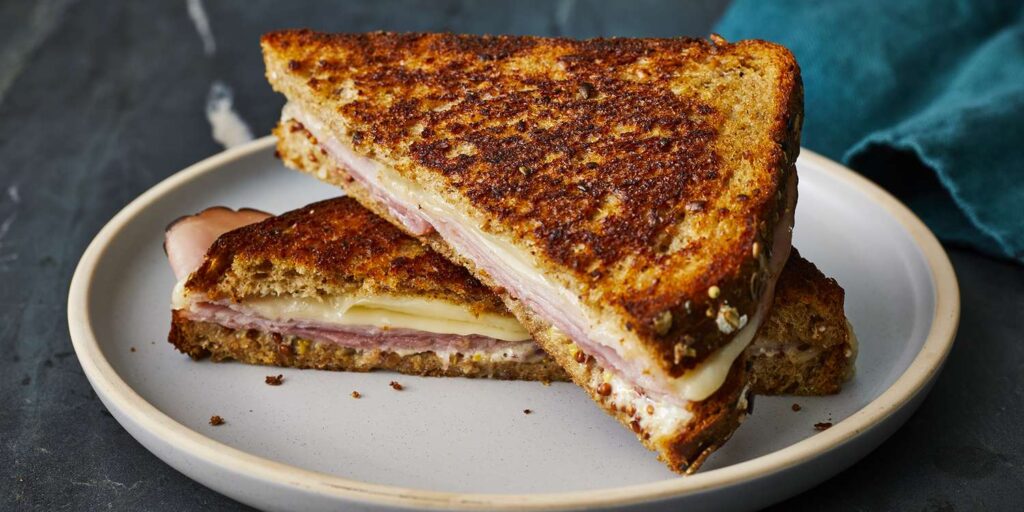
x=119, y=395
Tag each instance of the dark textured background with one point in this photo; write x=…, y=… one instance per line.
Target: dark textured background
x=99, y=100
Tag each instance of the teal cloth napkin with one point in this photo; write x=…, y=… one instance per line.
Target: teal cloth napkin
x=926, y=97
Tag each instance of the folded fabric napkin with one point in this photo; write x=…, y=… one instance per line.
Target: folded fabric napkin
x=926, y=97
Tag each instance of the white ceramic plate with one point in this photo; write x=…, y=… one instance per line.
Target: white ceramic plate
x=454, y=443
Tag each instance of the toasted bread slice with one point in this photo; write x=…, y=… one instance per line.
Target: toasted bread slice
x=611, y=191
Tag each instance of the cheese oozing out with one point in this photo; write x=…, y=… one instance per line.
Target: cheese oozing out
x=382, y=311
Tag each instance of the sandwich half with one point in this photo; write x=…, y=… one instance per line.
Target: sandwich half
x=332, y=286
x=804, y=347
x=630, y=200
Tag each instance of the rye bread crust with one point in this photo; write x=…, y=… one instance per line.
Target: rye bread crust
x=200, y=340
x=639, y=172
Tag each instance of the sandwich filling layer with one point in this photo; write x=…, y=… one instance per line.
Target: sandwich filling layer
x=386, y=312
x=401, y=325
x=421, y=212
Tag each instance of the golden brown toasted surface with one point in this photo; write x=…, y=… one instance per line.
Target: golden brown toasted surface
x=331, y=247
x=640, y=172
x=204, y=339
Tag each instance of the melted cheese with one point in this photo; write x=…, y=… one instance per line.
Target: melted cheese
x=704, y=379
x=418, y=313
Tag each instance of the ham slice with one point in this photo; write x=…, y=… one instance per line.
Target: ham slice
x=187, y=238
x=368, y=337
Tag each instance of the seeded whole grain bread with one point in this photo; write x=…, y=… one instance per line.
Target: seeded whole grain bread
x=638, y=174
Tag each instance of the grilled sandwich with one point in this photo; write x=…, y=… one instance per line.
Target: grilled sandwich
x=253, y=301
x=630, y=200
x=333, y=286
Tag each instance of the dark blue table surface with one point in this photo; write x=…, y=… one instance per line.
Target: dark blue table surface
x=99, y=100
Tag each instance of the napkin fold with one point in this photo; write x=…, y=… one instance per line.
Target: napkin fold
x=926, y=97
